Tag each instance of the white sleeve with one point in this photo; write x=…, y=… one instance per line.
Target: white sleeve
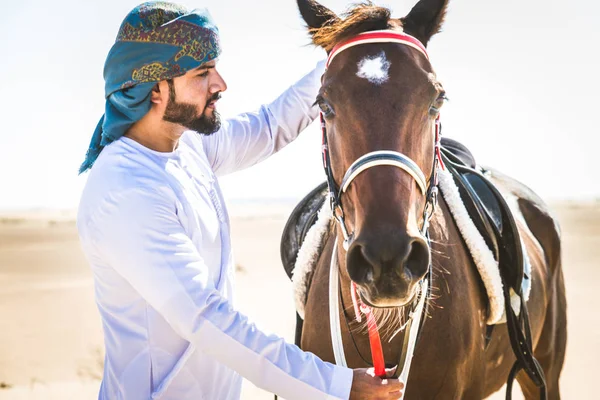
x=139, y=235
x=249, y=138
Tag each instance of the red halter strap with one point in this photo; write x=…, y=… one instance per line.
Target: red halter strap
x=386, y=36
x=374, y=339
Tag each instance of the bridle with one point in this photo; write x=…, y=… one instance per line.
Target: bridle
x=381, y=157
x=430, y=191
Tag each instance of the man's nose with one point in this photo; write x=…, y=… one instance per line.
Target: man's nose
x=218, y=84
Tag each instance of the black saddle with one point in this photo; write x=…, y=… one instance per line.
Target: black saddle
x=303, y=217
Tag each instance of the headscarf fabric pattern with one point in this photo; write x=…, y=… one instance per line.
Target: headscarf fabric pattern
x=156, y=41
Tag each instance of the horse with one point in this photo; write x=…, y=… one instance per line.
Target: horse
x=383, y=96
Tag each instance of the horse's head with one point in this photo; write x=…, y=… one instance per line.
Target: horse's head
x=381, y=96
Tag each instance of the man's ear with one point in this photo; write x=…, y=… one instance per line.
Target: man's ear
x=156, y=94
x=160, y=93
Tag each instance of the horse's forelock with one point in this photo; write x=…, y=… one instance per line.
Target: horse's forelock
x=362, y=17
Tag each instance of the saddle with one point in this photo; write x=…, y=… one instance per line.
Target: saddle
x=302, y=218
x=486, y=208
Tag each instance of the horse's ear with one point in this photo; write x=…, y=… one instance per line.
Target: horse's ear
x=315, y=15
x=425, y=19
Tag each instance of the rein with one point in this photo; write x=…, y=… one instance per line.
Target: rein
x=430, y=192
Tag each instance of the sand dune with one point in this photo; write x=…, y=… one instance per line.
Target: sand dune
x=51, y=340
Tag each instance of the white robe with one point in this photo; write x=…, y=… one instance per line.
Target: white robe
x=155, y=230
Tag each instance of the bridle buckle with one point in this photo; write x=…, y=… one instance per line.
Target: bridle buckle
x=338, y=213
x=430, y=206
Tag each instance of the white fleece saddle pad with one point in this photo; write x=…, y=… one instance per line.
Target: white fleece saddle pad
x=483, y=258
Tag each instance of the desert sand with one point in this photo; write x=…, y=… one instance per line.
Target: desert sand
x=51, y=344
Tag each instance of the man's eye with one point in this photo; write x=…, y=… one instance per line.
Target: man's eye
x=204, y=74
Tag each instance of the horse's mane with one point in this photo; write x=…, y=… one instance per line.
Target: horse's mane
x=361, y=17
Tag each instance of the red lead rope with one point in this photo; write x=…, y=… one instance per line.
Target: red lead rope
x=375, y=342
x=374, y=339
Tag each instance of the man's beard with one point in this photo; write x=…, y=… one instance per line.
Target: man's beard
x=185, y=114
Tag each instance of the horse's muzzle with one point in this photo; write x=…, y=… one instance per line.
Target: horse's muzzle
x=387, y=270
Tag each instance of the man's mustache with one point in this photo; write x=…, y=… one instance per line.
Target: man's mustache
x=214, y=97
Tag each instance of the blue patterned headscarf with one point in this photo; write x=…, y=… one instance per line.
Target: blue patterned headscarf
x=156, y=41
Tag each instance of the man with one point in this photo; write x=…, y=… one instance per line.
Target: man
x=155, y=230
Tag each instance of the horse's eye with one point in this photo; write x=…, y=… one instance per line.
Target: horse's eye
x=439, y=102
x=325, y=109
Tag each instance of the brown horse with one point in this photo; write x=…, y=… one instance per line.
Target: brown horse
x=392, y=105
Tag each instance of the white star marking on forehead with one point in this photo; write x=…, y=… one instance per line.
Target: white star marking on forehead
x=374, y=68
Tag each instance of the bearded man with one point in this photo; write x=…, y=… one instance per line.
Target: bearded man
x=155, y=229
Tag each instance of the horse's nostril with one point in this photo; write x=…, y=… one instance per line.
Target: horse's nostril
x=417, y=260
x=360, y=268
x=367, y=262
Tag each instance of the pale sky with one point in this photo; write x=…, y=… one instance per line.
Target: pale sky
x=521, y=77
